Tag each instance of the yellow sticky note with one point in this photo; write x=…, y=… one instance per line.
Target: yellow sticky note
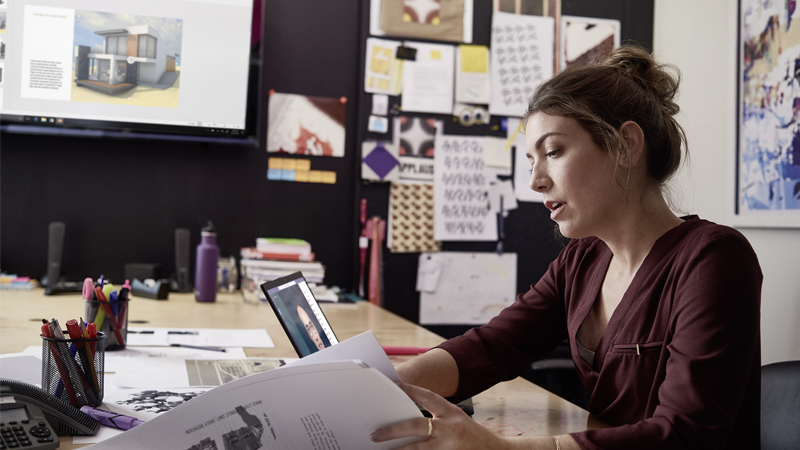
x=329, y=177
x=474, y=58
x=303, y=164
x=275, y=163
x=436, y=54
x=301, y=176
x=315, y=176
x=289, y=164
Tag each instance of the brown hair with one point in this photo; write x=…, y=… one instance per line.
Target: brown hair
x=628, y=85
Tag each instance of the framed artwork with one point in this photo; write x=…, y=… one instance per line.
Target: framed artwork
x=767, y=186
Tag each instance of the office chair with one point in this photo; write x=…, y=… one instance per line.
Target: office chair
x=556, y=373
x=780, y=406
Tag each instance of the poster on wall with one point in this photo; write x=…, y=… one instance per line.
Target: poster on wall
x=768, y=157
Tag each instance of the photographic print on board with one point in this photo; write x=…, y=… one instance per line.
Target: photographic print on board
x=587, y=39
x=768, y=159
x=305, y=125
x=126, y=59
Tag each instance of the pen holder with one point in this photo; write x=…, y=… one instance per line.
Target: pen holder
x=72, y=369
x=112, y=319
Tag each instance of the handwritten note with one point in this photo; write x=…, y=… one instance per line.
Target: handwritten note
x=461, y=191
x=522, y=58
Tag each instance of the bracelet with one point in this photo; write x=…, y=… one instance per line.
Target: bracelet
x=558, y=444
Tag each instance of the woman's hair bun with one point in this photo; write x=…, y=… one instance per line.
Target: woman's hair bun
x=639, y=65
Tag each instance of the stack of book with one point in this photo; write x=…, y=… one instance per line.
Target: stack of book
x=15, y=283
x=273, y=258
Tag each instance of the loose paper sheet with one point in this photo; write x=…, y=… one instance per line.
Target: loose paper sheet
x=428, y=81
x=472, y=74
x=461, y=191
x=255, y=338
x=522, y=58
x=472, y=288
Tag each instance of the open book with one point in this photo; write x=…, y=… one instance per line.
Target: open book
x=308, y=405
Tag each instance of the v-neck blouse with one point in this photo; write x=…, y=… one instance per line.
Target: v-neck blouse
x=678, y=365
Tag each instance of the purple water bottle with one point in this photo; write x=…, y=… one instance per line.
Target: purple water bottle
x=205, y=275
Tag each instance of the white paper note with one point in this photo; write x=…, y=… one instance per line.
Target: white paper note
x=472, y=74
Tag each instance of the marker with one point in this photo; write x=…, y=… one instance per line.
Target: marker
x=404, y=350
x=199, y=347
x=111, y=419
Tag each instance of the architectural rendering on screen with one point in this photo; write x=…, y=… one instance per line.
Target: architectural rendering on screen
x=126, y=59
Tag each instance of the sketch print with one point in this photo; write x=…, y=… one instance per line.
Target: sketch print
x=768, y=163
x=126, y=59
x=246, y=437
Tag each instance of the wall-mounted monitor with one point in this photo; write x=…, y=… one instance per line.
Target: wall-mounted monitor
x=163, y=69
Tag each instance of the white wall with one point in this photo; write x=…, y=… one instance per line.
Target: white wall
x=700, y=38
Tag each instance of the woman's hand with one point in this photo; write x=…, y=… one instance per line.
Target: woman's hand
x=450, y=427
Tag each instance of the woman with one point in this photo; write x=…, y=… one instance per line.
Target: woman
x=661, y=312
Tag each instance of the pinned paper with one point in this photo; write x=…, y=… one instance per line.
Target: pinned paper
x=522, y=58
x=414, y=138
x=505, y=189
x=411, y=218
x=429, y=271
x=306, y=125
x=461, y=183
x=380, y=104
x=378, y=124
x=496, y=154
x=379, y=161
x=428, y=81
x=522, y=166
x=472, y=74
x=383, y=71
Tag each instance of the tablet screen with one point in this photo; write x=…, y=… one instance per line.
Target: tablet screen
x=299, y=314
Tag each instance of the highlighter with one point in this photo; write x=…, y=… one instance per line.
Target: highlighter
x=111, y=419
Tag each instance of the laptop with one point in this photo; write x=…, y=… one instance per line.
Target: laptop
x=304, y=322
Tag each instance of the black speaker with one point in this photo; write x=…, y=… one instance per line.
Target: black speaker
x=55, y=255
x=182, y=260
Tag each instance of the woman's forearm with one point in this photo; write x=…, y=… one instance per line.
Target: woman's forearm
x=435, y=370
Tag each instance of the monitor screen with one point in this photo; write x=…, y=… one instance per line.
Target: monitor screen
x=150, y=68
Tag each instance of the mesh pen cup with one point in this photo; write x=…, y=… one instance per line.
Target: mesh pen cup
x=72, y=369
x=111, y=318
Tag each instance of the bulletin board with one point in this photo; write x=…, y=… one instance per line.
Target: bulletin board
x=528, y=231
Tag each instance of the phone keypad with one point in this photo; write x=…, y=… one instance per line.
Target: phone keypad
x=15, y=436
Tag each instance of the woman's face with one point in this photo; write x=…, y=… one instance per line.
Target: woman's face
x=312, y=331
x=575, y=176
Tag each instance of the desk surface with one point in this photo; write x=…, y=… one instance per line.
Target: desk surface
x=512, y=408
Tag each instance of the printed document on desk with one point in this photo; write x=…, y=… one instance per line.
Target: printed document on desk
x=296, y=406
x=214, y=337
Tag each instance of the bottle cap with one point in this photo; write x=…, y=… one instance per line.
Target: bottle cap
x=208, y=230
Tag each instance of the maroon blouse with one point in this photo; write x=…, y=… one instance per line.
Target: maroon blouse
x=679, y=365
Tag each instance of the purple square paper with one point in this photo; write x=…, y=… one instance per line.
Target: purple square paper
x=380, y=160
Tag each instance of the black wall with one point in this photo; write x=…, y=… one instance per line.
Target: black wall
x=121, y=200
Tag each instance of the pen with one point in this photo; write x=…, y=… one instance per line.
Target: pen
x=87, y=364
x=111, y=419
x=62, y=369
x=104, y=304
x=199, y=347
x=113, y=298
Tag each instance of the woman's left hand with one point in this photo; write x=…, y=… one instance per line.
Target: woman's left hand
x=450, y=427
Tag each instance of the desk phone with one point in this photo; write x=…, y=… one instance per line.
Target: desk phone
x=31, y=418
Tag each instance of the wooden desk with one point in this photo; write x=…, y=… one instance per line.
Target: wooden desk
x=512, y=408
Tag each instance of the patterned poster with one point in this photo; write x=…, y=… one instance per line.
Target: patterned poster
x=522, y=58
x=768, y=185
x=587, y=39
x=305, y=125
x=412, y=218
x=461, y=191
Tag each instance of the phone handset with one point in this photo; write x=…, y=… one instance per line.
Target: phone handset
x=31, y=414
